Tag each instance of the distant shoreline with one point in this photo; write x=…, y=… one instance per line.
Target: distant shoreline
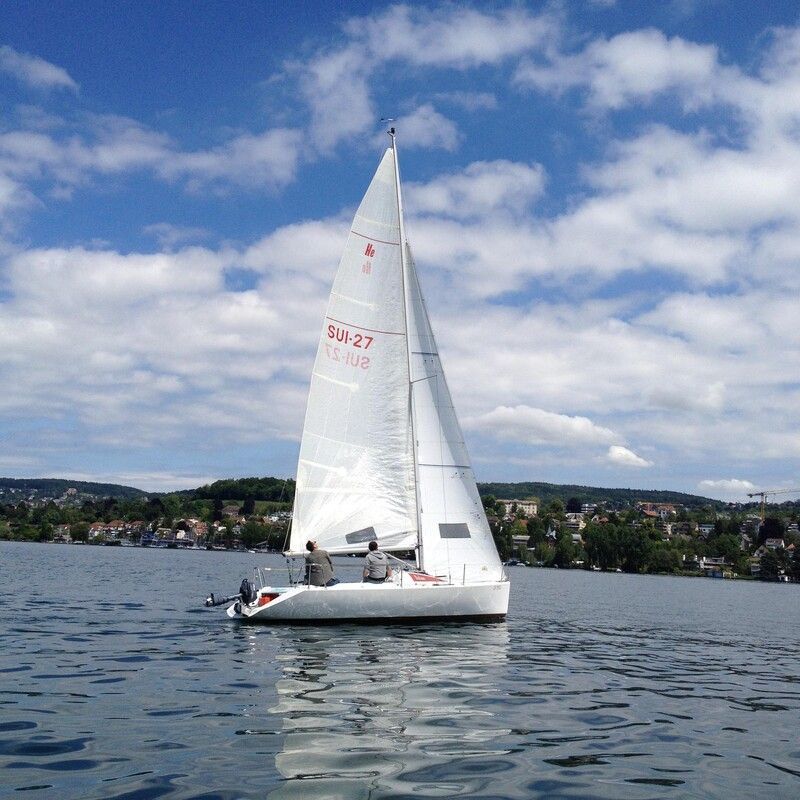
x=509, y=569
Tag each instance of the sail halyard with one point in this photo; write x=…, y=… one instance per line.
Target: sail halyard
x=406, y=315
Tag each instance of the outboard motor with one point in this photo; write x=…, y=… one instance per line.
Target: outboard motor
x=219, y=600
x=248, y=592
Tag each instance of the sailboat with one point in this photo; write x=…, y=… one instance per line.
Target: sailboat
x=382, y=456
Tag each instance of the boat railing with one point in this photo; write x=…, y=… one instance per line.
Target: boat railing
x=262, y=580
x=452, y=577
x=259, y=578
x=300, y=576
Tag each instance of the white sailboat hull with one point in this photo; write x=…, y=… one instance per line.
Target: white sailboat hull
x=378, y=602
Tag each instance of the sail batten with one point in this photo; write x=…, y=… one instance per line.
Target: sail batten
x=351, y=386
x=356, y=302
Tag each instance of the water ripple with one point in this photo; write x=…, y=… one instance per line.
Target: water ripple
x=598, y=686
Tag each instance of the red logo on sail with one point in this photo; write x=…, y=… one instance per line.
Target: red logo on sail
x=370, y=251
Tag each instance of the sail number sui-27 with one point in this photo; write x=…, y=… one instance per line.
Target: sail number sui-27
x=347, y=337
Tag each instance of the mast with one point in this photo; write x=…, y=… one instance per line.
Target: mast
x=403, y=268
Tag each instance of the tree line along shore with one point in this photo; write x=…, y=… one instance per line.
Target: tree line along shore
x=613, y=530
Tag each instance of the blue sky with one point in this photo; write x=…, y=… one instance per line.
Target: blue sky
x=603, y=199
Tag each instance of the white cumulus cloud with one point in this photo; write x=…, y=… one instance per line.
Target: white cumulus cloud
x=480, y=188
x=101, y=145
x=730, y=486
x=35, y=71
x=169, y=236
x=622, y=456
x=426, y=127
x=336, y=81
x=537, y=426
x=631, y=66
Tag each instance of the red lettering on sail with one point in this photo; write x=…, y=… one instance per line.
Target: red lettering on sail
x=369, y=251
x=344, y=336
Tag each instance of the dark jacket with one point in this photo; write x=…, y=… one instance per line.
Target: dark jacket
x=319, y=567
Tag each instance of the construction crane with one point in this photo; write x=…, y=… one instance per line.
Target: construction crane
x=768, y=493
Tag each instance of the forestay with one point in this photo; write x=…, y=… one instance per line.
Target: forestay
x=355, y=476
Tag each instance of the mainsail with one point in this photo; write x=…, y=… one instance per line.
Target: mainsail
x=355, y=475
x=382, y=455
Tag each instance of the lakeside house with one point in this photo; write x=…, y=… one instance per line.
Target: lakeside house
x=118, y=530
x=715, y=566
x=662, y=510
x=519, y=543
x=750, y=525
x=774, y=544
x=61, y=534
x=705, y=529
x=528, y=508
x=574, y=521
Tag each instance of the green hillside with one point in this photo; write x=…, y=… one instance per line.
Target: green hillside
x=55, y=487
x=274, y=489
x=282, y=490
x=620, y=498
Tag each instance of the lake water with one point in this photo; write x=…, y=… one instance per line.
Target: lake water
x=115, y=682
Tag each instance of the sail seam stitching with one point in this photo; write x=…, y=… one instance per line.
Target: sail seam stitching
x=361, y=328
x=373, y=239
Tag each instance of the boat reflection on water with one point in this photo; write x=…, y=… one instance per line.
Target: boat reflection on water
x=369, y=712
